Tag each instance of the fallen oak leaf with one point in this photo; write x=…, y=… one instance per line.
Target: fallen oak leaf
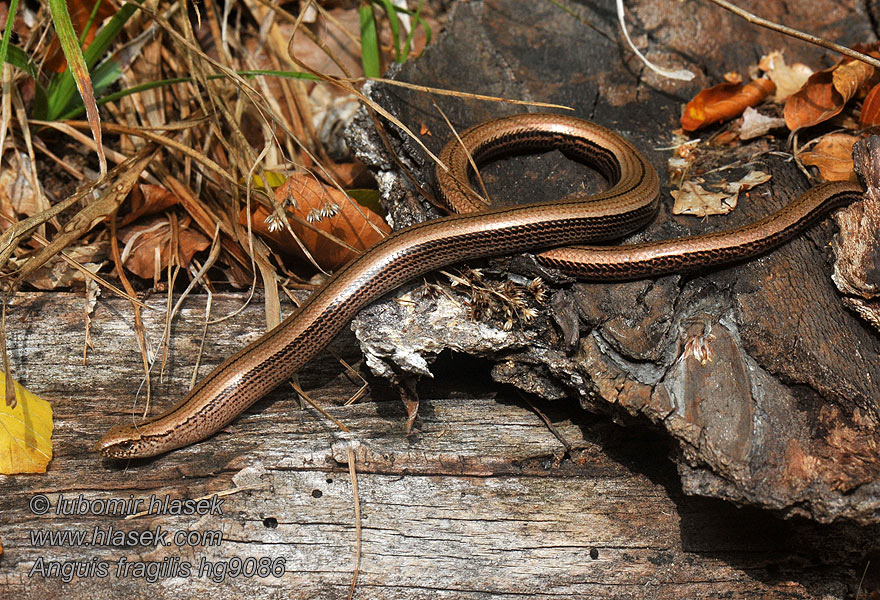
x=724, y=101
x=26, y=433
x=832, y=155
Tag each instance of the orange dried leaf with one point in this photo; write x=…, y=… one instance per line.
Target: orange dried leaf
x=724, y=101
x=849, y=76
x=817, y=101
x=832, y=155
x=148, y=246
x=826, y=93
x=327, y=210
x=871, y=108
x=307, y=199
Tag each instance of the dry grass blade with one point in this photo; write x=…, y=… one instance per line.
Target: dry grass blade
x=457, y=94
x=94, y=212
x=162, y=140
x=212, y=258
x=270, y=284
x=352, y=473
x=32, y=175
x=467, y=185
x=139, y=328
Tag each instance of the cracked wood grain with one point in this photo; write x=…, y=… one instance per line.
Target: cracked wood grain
x=480, y=500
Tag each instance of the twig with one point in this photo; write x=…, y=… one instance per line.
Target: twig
x=751, y=18
x=317, y=407
x=556, y=433
x=357, y=520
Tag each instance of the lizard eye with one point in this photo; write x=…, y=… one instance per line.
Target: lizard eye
x=125, y=446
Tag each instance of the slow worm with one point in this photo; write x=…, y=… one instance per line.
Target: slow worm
x=627, y=206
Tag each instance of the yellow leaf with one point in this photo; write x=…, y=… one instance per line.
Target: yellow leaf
x=25, y=433
x=275, y=180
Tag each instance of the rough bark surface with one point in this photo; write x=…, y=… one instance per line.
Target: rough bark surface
x=481, y=500
x=767, y=382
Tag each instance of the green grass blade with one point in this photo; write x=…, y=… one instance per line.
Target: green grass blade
x=63, y=87
x=108, y=33
x=369, y=41
x=391, y=12
x=4, y=42
x=76, y=110
x=77, y=65
x=92, y=15
x=417, y=22
x=18, y=58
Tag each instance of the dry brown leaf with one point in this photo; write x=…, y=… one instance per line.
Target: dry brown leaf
x=832, y=155
x=723, y=101
x=58, y=274
x=826, y=93
x=817, y=101
x=308, y=199
x=145, y=241
x=788, y=78
x=694, y=199
x=849, y=77
x=148, y=199
x=871, y=108
x=17, y=197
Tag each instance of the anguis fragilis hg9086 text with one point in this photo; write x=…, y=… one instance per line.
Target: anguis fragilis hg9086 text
x=630, y=204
